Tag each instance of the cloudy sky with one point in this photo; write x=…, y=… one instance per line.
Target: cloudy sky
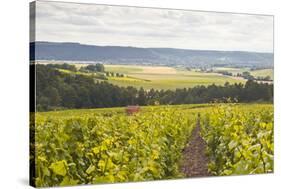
x=143, y=27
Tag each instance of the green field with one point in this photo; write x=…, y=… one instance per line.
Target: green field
x=255, y=73
x=123, y=69
x=106, y=145
x=263, y=73
x=162, y=77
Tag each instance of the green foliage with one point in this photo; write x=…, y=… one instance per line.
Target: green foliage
x=105, y=145
x=239, y=141
x=59, y=168
x=94, y=67
x=107, y=149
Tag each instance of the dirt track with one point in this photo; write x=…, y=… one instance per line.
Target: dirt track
x=195, y=162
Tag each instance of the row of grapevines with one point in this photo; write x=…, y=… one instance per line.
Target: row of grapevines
x=240, y=141
x=116, y=148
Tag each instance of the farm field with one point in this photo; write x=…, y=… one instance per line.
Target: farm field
x=102, y=146
x=231, y=70
x=159, y=77
x=162, y=77
x=263, y=73
x=255, y=73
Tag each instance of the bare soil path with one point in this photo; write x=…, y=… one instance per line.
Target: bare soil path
x=195, y=162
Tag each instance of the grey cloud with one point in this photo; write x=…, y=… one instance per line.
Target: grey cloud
x=130, y=26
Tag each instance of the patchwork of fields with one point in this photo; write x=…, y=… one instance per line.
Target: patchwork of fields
x=164, y=77
x=161, y=77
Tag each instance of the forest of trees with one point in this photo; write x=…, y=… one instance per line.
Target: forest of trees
x=56, y=90
x=93, y=68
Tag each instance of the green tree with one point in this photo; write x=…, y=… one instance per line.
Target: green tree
x=141, y=97
x=52, y=93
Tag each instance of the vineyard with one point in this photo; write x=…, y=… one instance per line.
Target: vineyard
x=107, y=145
x=239, y=141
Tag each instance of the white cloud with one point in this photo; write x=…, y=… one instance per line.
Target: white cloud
x=144, y=27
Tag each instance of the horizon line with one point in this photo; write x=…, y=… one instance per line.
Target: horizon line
x=157, y=47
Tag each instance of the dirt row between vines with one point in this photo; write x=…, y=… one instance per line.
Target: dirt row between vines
x=195, y=161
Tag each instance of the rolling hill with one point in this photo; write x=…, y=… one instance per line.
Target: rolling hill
x=148, y=56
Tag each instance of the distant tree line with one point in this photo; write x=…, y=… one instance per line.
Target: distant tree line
x=89, y=68
x=57, y=90
x=93, y=68
x=98, y=69
x=64, y=66
x=225, y=73
x=247, y=75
